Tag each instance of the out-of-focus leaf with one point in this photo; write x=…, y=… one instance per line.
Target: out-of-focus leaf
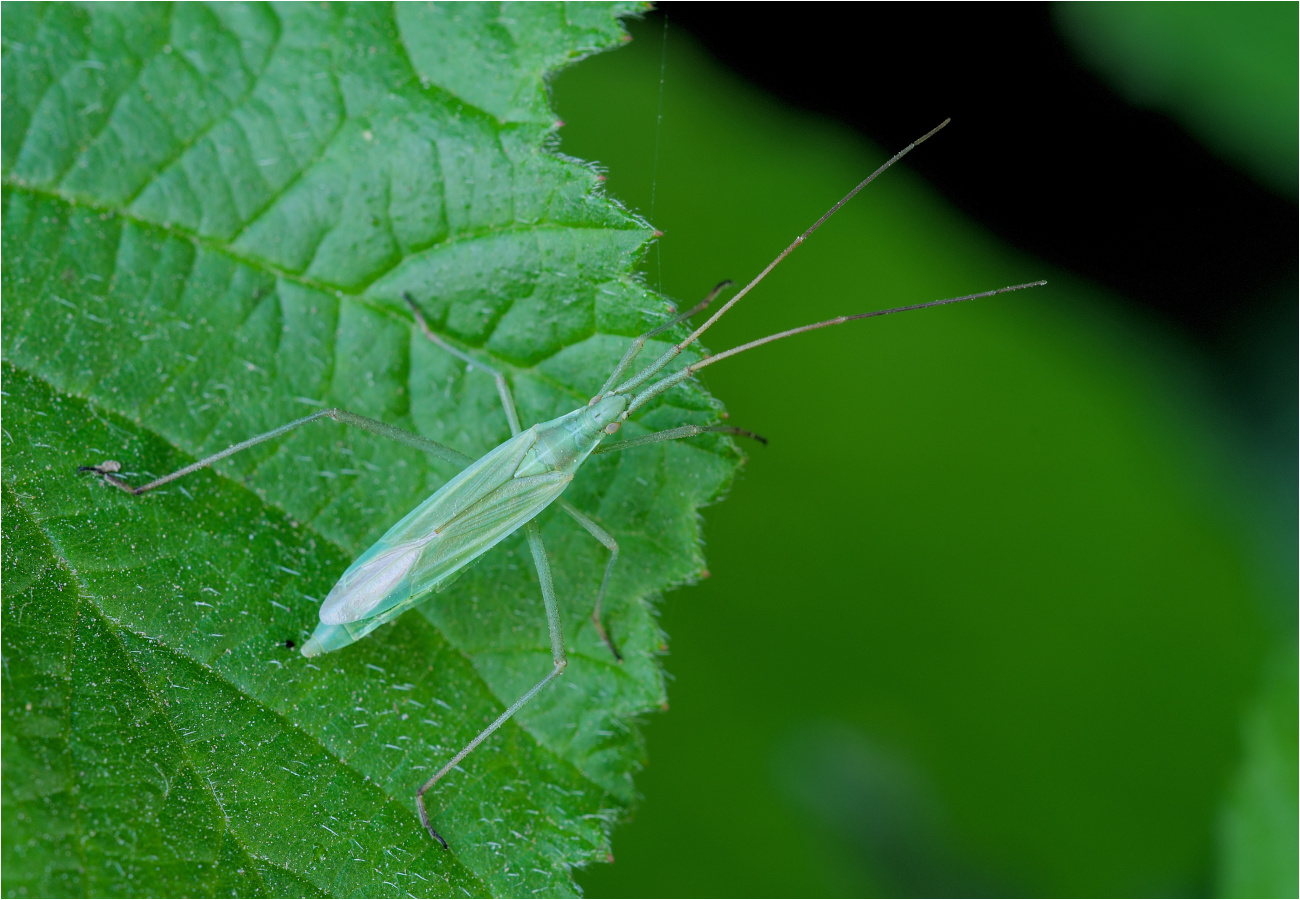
x=210, y=216
x=1227, y=71
x=1259, y=828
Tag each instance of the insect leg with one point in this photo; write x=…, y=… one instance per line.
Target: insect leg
x=106, y=470
x=611, y=545
x=674, y=434
x=503, y=386
x=557, y=657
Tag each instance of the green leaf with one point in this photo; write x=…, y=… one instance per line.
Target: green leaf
x=210, y=216
x=1226, y=71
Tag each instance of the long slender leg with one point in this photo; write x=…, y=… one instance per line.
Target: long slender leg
x=674, y=434
x=106, y=470
x=557, y=656
x=503, y=386
x=611, y=545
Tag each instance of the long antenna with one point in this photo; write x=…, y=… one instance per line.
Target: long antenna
x=649, y=371
x=840, y=320
x=685, y=372
x=807, y=234
x=635, y=347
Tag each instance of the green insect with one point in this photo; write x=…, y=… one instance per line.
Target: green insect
x=506, y=489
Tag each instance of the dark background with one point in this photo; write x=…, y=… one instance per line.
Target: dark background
x=1054, y=161
x=1047, y=156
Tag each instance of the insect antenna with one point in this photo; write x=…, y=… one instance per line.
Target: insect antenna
x=637, y=344
x=687, y=371
x=672, y=352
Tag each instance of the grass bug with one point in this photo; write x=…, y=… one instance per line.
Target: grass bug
x=505, y=490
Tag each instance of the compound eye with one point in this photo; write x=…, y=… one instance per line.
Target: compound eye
x=612, y=427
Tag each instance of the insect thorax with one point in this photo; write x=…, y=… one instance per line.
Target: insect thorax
x=563, y=443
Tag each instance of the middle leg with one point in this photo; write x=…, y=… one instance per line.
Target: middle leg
x=611, y=545
x=558, y=659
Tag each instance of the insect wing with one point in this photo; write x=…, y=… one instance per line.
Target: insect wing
x=368, y=582
x=485, y=525
x=468, y=487
x=393, y=575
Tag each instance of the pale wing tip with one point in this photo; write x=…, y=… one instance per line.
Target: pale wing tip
x=333, y=613
x=369, y=585
x=338, y=613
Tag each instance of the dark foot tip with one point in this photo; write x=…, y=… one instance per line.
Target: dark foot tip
x=437, y=837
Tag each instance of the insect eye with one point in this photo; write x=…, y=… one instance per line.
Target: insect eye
x=612, y=427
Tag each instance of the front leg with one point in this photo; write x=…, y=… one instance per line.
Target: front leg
x=676, y=434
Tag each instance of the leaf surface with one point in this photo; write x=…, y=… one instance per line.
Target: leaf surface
x=211, y=214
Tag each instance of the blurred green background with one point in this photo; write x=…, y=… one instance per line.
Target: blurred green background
x=996, y=610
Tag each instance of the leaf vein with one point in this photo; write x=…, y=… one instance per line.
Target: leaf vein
x=185, y=146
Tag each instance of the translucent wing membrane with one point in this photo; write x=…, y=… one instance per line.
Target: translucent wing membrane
x=374, y=583
x=391, y=576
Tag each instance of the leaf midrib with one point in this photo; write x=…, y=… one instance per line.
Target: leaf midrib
x=58, y=562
